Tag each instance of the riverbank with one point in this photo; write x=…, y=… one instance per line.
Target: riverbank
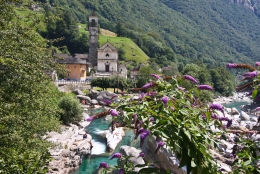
x=69, y=145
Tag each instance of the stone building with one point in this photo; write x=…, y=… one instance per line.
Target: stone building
x=105, y=58
x=93, y=38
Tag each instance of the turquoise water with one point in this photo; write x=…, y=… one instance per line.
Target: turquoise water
x=236, y=104
x=91, y=162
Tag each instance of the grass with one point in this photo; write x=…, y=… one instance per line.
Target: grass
x=28, y=17
x=104, y=32
x=82, y=28
x=132, y=51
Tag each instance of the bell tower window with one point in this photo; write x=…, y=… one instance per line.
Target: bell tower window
x=107, y=55
x=93, y=23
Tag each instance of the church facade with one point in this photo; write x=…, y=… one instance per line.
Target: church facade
x=103, y=59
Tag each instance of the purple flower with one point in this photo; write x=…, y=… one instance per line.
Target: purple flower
x=249, y=93
x=216, y=106
x=143, y=135
x=205, y=87
x=165, y=100
x=113, y=112
x=214, y=116
x=229, y=121
x=151, y=119
x=155, y=76
x=257, y=109
x=140, y=131
x=116, y=155
x=141, y=96
x=103, y=165
x=89, y=119
x=224, y=119
x=107, y=102
x=181, y=88
x=231, y=65
x=121, y=171
x=159, y=145
x=148, y=85
x=151, y=94
x=114, y=96
x=141, y=154
x=257, y=64
x=250, y=75
x=190, y=78
x=172, y=108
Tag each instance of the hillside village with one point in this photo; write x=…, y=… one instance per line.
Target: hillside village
x=103, y=60
x=189, y=103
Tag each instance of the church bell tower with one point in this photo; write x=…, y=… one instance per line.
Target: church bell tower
x=93, y=38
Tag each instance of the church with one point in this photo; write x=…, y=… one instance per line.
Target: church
x=103, y=59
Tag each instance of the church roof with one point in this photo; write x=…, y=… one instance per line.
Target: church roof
x=68, y=59
x=109, y=45
x=80, y=56
x=93, y=13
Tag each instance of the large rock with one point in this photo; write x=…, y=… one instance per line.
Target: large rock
x=234, y=111
x=244, y=116
x=134, y=153
x=105, y=95
x=93, y=94
x=165, y=158
x=93, y=102
x=78, y=92
x=113, y=138
x=70, y=150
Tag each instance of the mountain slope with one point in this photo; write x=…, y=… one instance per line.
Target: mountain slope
x=212, y=31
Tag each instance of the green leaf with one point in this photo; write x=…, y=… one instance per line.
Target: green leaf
x=208, y=115
x=186, y=132
x=193, y=164
x=254, y=93
x=184, y=112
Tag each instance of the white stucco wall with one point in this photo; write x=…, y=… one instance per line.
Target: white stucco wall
x=112, y=55
x=102, y=65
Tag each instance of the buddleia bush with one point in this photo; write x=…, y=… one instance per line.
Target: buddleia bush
x=71, y=111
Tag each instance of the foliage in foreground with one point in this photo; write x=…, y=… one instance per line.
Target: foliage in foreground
x=177, y=119
x=28, y=100
x=248, y=150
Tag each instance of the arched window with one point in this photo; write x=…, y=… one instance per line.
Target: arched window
x=93, y=23
x=107, y=55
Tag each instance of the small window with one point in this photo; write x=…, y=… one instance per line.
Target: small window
x=68, y=74
x=75, y=66
x=74, y=74
x=107, y=55
x=68, y=66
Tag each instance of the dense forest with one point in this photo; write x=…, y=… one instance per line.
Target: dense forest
x=214, y=32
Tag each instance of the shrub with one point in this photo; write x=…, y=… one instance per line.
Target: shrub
x=71, y=110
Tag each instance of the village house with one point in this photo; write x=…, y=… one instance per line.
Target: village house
x=135, y=71
x=76, y=65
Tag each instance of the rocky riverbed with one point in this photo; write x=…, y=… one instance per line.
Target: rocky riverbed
x=71, y=148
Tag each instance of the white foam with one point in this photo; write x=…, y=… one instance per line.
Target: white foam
x=98, y=148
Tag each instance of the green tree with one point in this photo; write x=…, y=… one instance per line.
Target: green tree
x=71, y=110
x=28, y=99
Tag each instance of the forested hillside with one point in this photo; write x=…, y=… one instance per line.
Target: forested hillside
x=212, y=31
